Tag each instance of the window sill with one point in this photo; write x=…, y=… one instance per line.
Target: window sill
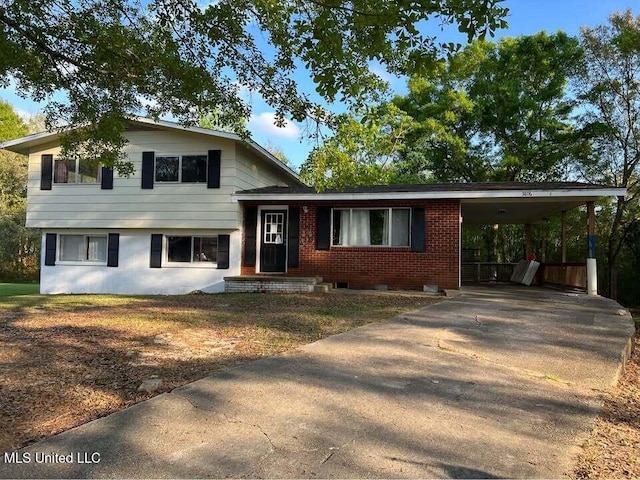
x=207, y=265
x=370, y=247
x=76, y=184
x=80, y=263
x=179, y=183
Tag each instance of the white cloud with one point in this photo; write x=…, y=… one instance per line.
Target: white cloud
x=26, y=115
x=264, y=124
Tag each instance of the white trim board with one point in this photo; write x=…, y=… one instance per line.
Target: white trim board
x=586, y=194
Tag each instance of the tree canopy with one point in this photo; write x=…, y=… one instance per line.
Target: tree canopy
x=496, y=111
x=11, y=124
x=19, y=246
x=114, y=58
x=362, y=150
x=609, y=85
x=493, y=111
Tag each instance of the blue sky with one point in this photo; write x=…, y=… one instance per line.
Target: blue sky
x=526, y=17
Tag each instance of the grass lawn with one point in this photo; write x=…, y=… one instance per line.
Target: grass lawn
x=10, y=289
x=612, y=449
x=68, y=359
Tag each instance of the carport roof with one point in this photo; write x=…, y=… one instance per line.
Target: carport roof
x=481, y=203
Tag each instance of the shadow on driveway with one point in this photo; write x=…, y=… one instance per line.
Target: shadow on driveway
x=494, y=383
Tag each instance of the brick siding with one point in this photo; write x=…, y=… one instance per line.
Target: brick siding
x=396, y=267
x=270, y=286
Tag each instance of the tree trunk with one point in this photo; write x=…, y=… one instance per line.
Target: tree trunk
x=615, y=242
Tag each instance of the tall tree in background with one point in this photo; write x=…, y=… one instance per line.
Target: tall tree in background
x=114, y=58
x=492, y=112
x=496, y=111
x=525, y=111
x=13, y=167
x=609, y=84
x=361, y=151
x=19, y=246
x=442, y=143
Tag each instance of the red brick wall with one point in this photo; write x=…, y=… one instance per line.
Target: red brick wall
x=397, y=267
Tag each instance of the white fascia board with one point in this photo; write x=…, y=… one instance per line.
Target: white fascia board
x=458, y=195
x=23, y=144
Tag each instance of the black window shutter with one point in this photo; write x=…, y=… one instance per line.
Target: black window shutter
x=156, y=251
x=113, y=249
x=213, y=168
x=293, y=258
x=107, y=178
x=50, y=249
x=147, y=169
x=323, y=228
x=223, y=251
x=418, y=241
x=250, y=222
x=46, y=172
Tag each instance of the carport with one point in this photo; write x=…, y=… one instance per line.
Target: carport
x=529, y=204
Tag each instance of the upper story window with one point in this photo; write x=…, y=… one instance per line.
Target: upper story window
x=75, y=171
x=363, y=227
x=181, y=168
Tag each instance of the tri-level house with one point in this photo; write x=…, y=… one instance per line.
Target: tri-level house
x=173, y=226
x=207, y=211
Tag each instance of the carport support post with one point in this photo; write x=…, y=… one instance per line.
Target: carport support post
x=592, y=271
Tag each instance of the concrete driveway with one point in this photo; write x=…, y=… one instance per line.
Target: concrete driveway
x=498, y=382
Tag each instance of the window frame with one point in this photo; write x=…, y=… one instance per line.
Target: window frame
x=179, y=181
x=390, y=232
x=85, y=245
x=190, y=263
x=76, y=173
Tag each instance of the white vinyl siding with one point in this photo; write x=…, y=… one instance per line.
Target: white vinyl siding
x=167, y=205
x=252, y=172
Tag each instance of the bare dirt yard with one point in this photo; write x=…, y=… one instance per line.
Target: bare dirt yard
x=68, y=359
x=612, y=450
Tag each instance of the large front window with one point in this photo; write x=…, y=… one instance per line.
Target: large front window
x=192, y=249
x=363, y=227
x=75, y=171
x=83, y=248
x=181, y=168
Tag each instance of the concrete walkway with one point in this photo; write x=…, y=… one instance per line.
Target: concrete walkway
x=498, y=382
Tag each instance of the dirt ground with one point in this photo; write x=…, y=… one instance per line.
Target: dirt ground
x=613, y=449
x=69, y=359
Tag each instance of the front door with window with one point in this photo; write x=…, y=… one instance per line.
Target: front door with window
x=273, y=244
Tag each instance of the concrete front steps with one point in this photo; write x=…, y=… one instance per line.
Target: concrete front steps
x=274, y=284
